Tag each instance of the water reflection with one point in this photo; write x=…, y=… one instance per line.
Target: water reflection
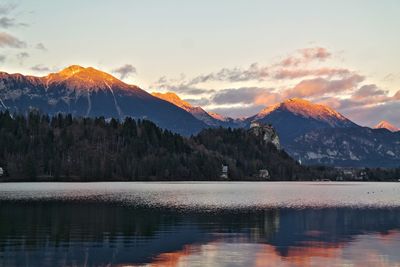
x=72, y=233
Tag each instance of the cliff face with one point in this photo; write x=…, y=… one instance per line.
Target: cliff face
x=267, y=132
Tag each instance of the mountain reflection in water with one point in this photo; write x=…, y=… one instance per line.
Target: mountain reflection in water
x=84, y=233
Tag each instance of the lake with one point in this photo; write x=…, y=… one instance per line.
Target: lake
x=200, y=224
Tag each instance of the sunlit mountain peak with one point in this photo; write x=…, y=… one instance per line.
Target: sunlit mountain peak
x=306, y=109
x=71, y=70
x=386, y=125
x=217, y=116
x=80, y=78
x=174, y=99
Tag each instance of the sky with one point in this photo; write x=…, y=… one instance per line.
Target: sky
x=230, y=57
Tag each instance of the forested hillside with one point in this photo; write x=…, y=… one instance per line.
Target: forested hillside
x=65, y=148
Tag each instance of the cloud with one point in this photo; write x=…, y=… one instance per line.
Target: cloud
x=40, y=46
x=125, y=71
x=2, y=58
x=6, y=22
x=198, y=102
x=321, y=86
x=182, y=88
x=178, y=86
x=7, y=40
x=245, y=95
x=368, y=91
x=364, y=98
x=253, y=72
x=238, y=111
x=371, y=115
x=22, y=56
x=6, y=9
x=318, y=53
x=259, y=73
x=40, y=68
x=306, y=55
x=299, y=73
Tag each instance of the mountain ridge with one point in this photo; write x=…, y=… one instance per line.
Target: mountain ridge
x=89, y=92
x=211, y=119
x=305, y=129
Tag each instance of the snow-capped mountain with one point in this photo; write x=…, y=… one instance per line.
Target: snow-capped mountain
x=317, y=134
x=295, y=116
x=211, y=119
x=90, y=92
x=386, y=125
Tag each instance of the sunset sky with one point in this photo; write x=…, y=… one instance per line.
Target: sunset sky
x=232, y=57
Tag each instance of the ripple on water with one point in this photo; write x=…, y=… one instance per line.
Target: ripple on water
x=213, y=195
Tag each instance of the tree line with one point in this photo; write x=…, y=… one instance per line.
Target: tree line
x=37, y=147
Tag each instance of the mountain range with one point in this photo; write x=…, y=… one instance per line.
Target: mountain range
x=90, y=92
x=311, y=133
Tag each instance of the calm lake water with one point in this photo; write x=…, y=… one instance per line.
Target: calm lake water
x=200, y=224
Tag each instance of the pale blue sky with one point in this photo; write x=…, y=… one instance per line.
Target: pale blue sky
x=170, y=38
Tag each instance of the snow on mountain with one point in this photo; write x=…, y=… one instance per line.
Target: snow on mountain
x=197, y=112
x=217, y=116
x=174, y=99
x=89, y=92
x=306, y=109
x=294, y=117
x=386, y=125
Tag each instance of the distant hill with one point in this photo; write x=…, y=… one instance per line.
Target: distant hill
x=89, y=92
x=65, y=148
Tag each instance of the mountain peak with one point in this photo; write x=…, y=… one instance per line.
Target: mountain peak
x=174, y=99
x=197, y=112
x=217, y=116
x=71, y=70
x=80, y=78
x=305, y=109
x=386, y=125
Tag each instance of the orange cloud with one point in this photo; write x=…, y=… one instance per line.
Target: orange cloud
x=321, y=86
x=306, y=55
x=298, y=73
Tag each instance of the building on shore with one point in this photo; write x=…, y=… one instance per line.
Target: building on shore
x=224, y=173
x=264, y=174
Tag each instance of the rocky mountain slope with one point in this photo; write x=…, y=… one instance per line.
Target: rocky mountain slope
x=295, y=117
x=90, y=92
x=317, y=134
x=209, y=118
x=351, y=147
